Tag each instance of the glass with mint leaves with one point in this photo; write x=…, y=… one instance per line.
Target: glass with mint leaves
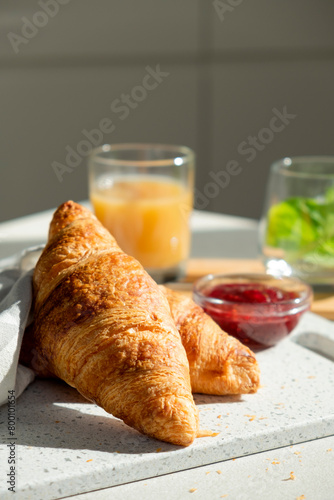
x=297, y=228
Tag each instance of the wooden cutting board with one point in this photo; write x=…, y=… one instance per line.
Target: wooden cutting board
x=323, y=303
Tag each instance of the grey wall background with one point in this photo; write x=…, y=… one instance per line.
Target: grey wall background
x=228, y=67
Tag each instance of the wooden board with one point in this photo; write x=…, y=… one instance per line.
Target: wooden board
x=323, y=303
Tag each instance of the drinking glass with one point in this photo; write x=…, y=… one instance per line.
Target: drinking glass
x=297, y=227
x=143, y=194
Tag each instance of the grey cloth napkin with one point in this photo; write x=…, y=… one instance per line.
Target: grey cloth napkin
x=15, y=314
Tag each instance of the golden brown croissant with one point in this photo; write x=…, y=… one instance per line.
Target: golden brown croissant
x=219, y=363
x=103, y=325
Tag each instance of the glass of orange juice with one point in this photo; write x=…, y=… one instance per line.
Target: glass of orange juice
x=143, y=194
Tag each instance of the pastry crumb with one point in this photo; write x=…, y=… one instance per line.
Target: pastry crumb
x=292, y=477
x=218, y=471
x=90, y=460
x=329, y=449
x=251, y=417
x=301, y=497
x=192, y=490
x=206, y=433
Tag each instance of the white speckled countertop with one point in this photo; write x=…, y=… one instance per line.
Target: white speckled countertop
x=66, y=445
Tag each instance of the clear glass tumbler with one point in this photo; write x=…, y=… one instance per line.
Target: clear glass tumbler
x=297, y=227
x=143, y=194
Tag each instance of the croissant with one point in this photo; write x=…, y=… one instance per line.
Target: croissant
x=219, y=363
x=103, y=326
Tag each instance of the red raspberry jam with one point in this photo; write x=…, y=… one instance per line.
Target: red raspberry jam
x=250, y=293
x=258, y=315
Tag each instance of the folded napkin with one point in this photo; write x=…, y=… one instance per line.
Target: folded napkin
x=15, y=315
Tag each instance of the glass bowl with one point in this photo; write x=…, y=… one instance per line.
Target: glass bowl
x=258, y=309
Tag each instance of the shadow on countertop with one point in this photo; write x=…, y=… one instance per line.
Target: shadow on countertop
x=51, y=414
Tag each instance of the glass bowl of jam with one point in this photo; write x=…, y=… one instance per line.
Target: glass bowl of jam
x=258, y=309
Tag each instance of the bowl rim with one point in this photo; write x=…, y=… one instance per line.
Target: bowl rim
x=298, y=304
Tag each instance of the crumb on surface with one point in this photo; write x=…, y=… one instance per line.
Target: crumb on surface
x=206, y=433
x=251, y=417
x=192, y=490
x=292, y=477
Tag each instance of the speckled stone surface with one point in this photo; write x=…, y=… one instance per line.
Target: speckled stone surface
x=302, y=471
x=67, y=446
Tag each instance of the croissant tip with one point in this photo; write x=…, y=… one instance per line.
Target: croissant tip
x=68, y=205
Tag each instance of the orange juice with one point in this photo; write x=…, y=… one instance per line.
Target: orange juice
x=148, y=217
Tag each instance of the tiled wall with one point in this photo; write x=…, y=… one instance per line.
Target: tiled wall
x=226, y=66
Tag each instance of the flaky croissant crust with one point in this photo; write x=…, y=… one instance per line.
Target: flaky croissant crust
x=219, y=364
x=104, y=326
